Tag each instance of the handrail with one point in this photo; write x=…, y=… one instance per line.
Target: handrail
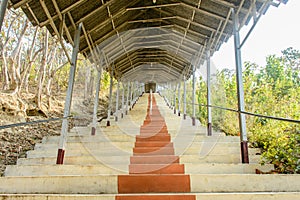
x=34, y=122
x=249, y=113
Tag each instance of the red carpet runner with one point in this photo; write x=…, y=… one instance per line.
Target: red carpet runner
x=153, y=167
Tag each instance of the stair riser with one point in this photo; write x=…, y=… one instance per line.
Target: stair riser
x=217, y=159
x=151, y=184
x=94, y=143
x=23, y=170
x=82, y=160
x=153, y=144
x=128, y=151
x=107, y=138
x=95, y=159
x=65, y=170
x=156, y=169
x=109, y=184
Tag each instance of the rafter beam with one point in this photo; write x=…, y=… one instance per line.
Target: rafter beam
x=55, y=29
x=154, y=6
x=68, y=9
x=21, y=3
x=62, y=19
x=32, y=13
x=201, y=11
x=151, y=20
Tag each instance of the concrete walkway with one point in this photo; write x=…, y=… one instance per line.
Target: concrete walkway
x=146, y=155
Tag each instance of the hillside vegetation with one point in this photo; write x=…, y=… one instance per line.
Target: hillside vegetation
x=271, y=90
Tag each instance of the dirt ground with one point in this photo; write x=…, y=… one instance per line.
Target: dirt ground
x=16, y=141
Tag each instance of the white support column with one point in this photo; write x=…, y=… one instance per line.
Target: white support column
x=131, y=94
x=123, y=100
x=117, y=102
x=110, y=98
x=142, y=89
x=179, y=97
x=127, y=97
x=68, y=101
x=174, y=100
x=240, y=90
x=184, y=98
x=2, y=11
x=150, y=109
x=194, y=98
x=209, y=116
x=168, y=96
x=135, y=94
x=96, y=102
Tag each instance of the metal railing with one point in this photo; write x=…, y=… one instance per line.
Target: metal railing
x=34, y=122
x=248, y=113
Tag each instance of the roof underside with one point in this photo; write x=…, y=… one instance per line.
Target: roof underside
x=143, y=40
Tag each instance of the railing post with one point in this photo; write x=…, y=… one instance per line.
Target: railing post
x=123, y=100
x=2, y=12
x=184, y=98
x=96, y=102
x=179, y=97
x=117, y=102
x=68, y=101
x=240, y=90
x=209, y=116
x=110, y=97
x=194, y=97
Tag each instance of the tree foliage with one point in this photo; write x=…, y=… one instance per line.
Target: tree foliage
x=272, y=90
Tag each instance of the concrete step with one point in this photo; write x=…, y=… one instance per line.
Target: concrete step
x=84, y=152
x=113, y=136
x=128, y=150
x=101, y=165
x=226, y=159
x=86, y=145
x=194, y=168
x=108, y=184
x=96, y=159
x=99, y=138
x=220, y=168
x=174, y=196
x=77, y=160
x=64, y=170
x=179, y=146
x=217, y=150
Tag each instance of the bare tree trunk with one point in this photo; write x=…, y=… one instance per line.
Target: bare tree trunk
x=5, y=70
x=31, y=59
x=41, y=77
x=50, y=78
x=18, y=70
x=14, y=60
x=86, y=85
x=6, y=82
x=91, y=84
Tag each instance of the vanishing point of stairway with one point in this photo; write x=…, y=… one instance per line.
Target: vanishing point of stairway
x=159, y=157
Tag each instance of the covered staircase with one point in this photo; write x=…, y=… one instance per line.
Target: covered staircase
x=150, y=154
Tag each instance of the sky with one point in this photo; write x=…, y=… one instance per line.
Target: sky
x=275, y=31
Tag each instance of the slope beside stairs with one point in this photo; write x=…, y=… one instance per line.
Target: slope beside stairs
x=150, y=154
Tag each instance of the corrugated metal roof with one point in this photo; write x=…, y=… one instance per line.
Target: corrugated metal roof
x=142, y=40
